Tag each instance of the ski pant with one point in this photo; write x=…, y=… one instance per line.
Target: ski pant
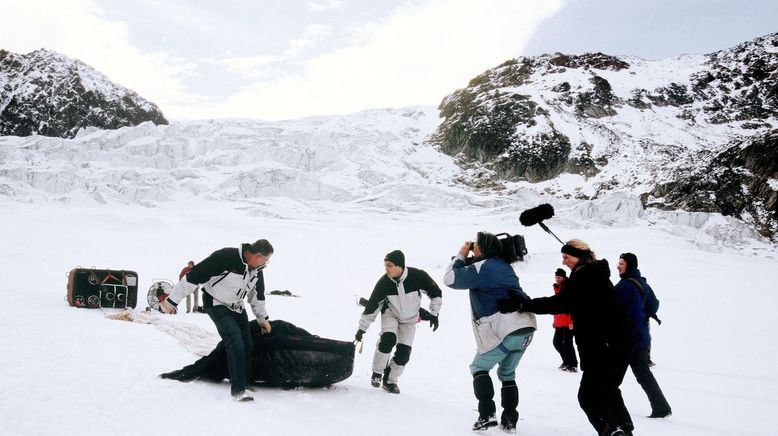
x=599, y=395
x=639, y=365
x=393, y=332
x=234, y=330
x=563, y=342
x=506, y=356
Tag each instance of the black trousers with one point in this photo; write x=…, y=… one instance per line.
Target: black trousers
x=599, y=395
x=639, y=364
x=234, y=330
x=563, y=342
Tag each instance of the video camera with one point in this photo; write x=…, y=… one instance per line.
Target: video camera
x=512, y=246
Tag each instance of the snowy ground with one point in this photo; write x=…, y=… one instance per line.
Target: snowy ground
x=72, y=371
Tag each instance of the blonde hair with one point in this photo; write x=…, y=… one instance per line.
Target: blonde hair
x=583, y=246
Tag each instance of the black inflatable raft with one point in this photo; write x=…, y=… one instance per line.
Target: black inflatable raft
x=287, y=357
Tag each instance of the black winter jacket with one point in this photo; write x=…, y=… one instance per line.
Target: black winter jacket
x=602, y=329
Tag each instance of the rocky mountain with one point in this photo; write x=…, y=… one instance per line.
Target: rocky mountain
x=693, y=132
x=46, y=93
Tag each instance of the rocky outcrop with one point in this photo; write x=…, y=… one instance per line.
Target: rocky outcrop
x=742, y=182
x=622, y=123
x=46, y=93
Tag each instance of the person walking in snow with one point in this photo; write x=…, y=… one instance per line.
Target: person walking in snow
x=563, y=330
x=181, y=275
x=501, y=338
x=602, y=334
x=641, y=303
x=228, y=276
x=397, y=296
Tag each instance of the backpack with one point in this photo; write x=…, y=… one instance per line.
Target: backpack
x=654, y=303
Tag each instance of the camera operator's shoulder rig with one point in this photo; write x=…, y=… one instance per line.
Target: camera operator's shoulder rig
x=513, y=245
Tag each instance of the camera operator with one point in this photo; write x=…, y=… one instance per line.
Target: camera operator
x=501, y=338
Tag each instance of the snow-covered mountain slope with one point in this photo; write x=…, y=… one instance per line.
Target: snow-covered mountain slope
x=374, y=161
x=623, y=123
x=370, y=159
x=46, y=93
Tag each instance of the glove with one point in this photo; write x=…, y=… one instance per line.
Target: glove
x=358, y=336
x=425, y=315
x=264, y=325
x=434, y=323
x=166, y=307
x=508, y=305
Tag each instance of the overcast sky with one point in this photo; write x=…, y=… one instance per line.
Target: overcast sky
x=275, y=59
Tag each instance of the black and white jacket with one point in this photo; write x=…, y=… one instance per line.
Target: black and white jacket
x=226, y=280
x=401, y=298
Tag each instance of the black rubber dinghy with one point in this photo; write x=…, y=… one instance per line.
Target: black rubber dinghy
x=287, y=357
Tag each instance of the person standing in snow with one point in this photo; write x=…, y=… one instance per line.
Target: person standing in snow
x=228, y=276
x=602, y=334
x=641, y=303
x=181, y=275
x=397, y=295
x=501, y=338
x=563, y=330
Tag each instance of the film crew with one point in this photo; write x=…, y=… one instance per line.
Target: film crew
x=397, y=295
x=641, y=303
x=228, y=276
x=501, y=338
x=563, y=330
x=602, y=334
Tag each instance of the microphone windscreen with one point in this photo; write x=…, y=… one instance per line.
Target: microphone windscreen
x=530, y=217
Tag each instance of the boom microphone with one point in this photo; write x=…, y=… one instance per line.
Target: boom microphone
x=536, y=215
x=533, y=216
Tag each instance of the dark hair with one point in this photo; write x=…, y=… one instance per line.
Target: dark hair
x=262, y=246
x=491, y=246
x=630, y=260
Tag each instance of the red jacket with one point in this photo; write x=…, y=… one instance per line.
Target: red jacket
x=563, y=319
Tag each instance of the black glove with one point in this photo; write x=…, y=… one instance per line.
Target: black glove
x=358, y=336
x=508, y=305
x=434, y=323
x=425, y=315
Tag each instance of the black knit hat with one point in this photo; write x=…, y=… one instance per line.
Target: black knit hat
x=560, y=273
x=631, y=260
x=396, y=257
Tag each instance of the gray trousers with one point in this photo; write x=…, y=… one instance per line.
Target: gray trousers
x=403, y=333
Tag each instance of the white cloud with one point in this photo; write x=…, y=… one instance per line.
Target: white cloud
x=246, y=66
x=78, y=29
x=417, y=56
x=311, y=35
x=326, y=6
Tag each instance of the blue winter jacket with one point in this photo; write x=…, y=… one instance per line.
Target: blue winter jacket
x=639, y=305
x=488, y=280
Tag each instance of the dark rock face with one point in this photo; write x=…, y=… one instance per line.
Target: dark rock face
x=597, y=61
x=48, y=94
x=735, y=183
x=534, y=118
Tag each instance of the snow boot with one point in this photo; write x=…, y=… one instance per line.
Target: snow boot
x=242, y=396
x=484, y=392
x=509, y=402
x=660, y=414
x=392, y=388
x=484, y=422
x=612, y=431
x=375, y=380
